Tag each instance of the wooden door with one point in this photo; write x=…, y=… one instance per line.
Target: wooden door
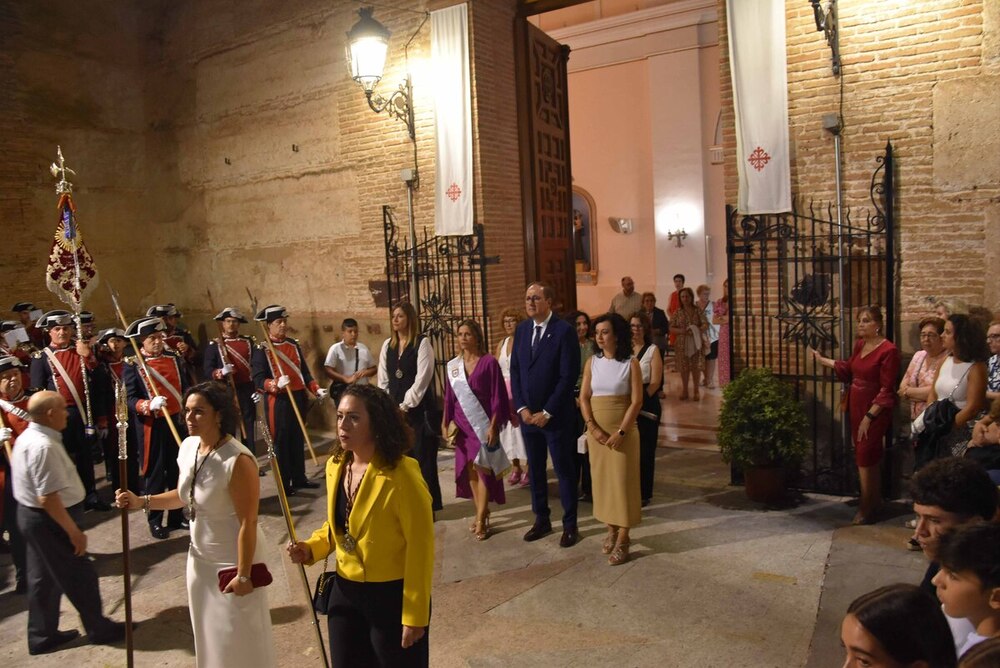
x=546, y=180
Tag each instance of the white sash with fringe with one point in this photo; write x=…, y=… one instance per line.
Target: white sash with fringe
x=473, y=410
x=61, y=370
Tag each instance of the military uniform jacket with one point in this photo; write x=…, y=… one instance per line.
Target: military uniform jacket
x=45, y=375
x=15, y=414
x=171, y=382
x=179, y=335
x=290, y=362
x=239, y=352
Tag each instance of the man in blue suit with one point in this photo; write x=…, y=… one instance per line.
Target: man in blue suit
x=543, y=372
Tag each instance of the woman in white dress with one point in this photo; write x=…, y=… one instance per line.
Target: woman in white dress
x=510, y=435
x=219, y=490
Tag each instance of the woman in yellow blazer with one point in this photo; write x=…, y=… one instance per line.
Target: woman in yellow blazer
x=379, y=520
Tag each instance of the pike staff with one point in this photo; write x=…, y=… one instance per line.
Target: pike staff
x=288, y=389
x=121, y=412
x=71, y=290
x=142, y=364
x=224, y=354
x=286, y=512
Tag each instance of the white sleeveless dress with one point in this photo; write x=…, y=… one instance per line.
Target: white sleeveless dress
x=229, y=630
x=510, y=436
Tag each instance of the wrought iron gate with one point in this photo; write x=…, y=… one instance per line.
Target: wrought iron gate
x=795, y=279
x=451, y=284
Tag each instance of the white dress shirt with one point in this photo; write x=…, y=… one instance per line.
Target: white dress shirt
x=42, y=466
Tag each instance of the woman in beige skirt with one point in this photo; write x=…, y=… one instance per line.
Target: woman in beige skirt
x=610, y=400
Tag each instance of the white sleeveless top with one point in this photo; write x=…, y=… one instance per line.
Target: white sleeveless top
x=609, y=377
x=215, y=529
x=646, y=363
x=953, y=376
x=504, y=359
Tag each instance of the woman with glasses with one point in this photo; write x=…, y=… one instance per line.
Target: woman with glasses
x=919, y=376
x=992, y=380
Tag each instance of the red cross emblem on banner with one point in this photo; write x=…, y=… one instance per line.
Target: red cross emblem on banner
x=759, y=158
x=453, y=192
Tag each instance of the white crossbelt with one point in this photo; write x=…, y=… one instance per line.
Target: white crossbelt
x=61, y=370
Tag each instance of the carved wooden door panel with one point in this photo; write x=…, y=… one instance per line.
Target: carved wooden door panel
x=546, y=181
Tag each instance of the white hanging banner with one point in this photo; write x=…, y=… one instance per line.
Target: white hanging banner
x=760, y=97
x=452, y=120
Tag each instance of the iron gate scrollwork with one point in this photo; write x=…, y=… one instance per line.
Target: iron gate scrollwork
x=451, y=284
x=796, y=280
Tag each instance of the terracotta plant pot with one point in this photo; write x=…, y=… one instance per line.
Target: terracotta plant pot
x=765, y=484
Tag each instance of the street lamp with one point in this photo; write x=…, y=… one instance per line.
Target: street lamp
x=367, y=45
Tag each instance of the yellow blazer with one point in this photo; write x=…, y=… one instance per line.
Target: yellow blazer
x=393, y=525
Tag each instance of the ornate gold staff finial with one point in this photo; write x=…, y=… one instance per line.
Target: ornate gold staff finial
x=60, y=170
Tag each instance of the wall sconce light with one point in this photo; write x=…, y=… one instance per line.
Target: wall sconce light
x=367, y=44
x=621, y=225
x=828, y=24
x=678, y=237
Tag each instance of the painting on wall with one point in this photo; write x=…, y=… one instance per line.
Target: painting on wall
x=584, y=237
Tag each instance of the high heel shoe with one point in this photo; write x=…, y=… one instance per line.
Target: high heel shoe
x=475, y=523
x=609, y=542
x=619, y=555
x=483, y=529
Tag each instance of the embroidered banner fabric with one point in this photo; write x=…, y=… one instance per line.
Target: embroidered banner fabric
x=452, y=120
x=760, y=96
x=60, y=275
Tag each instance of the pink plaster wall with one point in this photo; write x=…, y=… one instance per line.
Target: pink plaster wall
x=610, y=144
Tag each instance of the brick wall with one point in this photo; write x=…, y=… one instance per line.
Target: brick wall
x=916, y=73
x=221, y=145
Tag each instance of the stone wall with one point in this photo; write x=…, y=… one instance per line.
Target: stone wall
x=925, y=75
x=221, y=146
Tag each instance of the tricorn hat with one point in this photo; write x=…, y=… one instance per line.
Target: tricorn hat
x=231, y=312
x=86, y=317
x=8, y=325
x=22, y=306
x=107, y=334
x=162, y=311
x=10, y=362
x=54, y=318
x=271, y=313
x=143, y=327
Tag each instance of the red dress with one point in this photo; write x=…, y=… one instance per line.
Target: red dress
x=873, y=381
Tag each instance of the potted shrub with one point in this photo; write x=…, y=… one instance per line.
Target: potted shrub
x=762, y=431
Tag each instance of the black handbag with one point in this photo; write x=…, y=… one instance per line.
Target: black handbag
x=939, y=420
x=324, y=584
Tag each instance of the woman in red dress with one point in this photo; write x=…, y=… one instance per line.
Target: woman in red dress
x=872, y=372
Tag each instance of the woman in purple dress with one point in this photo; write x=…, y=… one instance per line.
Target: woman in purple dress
x=476, y=400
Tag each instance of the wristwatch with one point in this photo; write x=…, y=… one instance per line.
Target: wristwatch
x=621, y=433
x=243, y=579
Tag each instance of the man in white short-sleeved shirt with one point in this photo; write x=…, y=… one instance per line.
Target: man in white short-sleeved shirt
x=50, y=497
x=348, y=361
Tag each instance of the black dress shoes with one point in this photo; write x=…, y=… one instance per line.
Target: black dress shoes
x=569, y=537
x=49, y=644
x=159, y=532
x=307, y=484
x=114, y=633
x=290, y=491
x=538, y=531
x=93, y=502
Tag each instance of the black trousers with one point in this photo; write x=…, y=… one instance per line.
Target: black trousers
x=425, y=451
x=289, y=442
x=78, y=446
x=649, y=432
x=363, y=620
x=53, y=570
x=561, y=445
x=161, y=474
x=248, y=413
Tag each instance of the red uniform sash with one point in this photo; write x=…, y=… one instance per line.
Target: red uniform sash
x=70, y=361
x=238, y=353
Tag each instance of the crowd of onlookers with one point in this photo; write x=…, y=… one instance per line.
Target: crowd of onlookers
x=952, y=385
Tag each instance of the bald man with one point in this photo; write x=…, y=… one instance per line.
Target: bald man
x=50, y=497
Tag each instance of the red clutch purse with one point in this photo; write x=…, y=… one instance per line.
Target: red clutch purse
x=259, y=576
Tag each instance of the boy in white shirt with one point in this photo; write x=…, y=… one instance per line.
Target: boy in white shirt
x=348, y=361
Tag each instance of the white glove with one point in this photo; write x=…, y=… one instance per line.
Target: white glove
x=6, y=434
x=102, y=432
x=226, y=369
x=156, y=403
x=256, y=396
x=283, y=382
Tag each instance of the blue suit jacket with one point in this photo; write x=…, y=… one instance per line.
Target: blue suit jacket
x=545, y=380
